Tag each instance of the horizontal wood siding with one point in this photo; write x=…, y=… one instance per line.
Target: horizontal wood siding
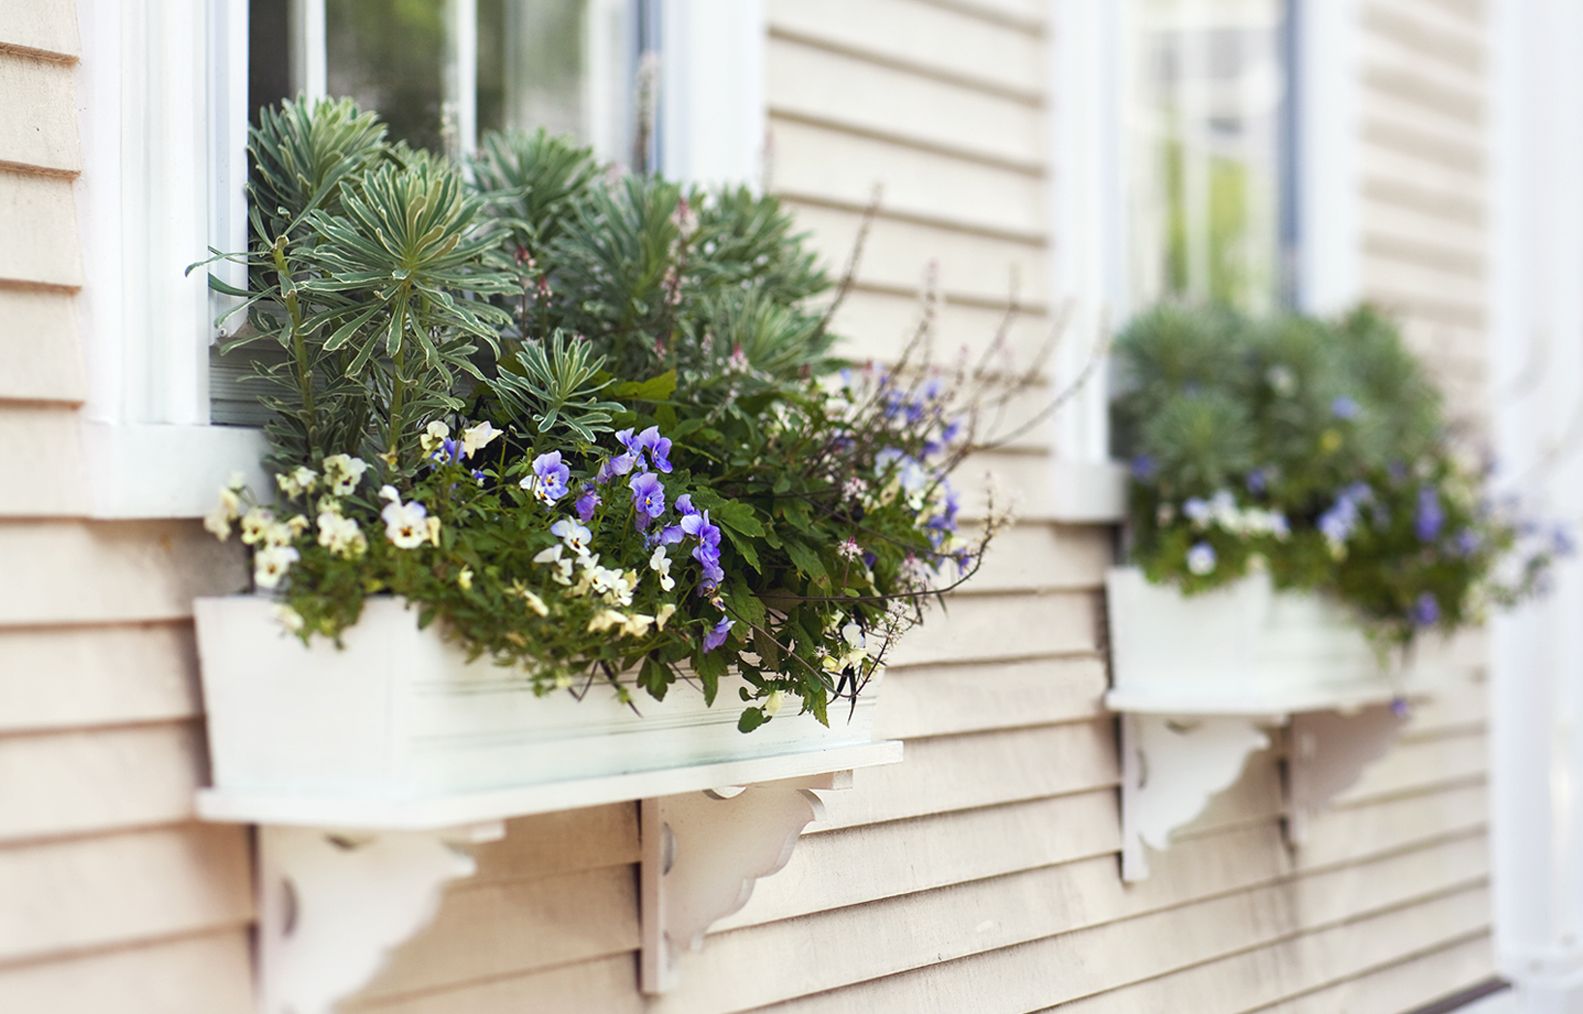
x=114, y=897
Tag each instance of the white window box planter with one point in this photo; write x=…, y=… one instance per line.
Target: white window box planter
x=366, y=768
x=1200, y=679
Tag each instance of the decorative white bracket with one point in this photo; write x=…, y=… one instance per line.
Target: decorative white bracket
x=1170, y=768
x=1172, y=765
x=332, y=906
x=703, y=853
x=1328, y=752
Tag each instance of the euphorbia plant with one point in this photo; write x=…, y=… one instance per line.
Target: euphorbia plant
x=589, y=424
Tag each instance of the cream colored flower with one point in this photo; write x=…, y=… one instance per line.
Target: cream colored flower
x=405, y=524
x=256, y=524
x=637, y=625
x=218, y=522
x=661, y=565
x=464, y=579
x=279, y=535
x=476, y=438
x=271, y=563
x=534, y=603
x=289, y=619
x=341, y=535
x=772, y=704
x=663, y=616
x=432, y=530
x=343, y=472
x=607, y=619
x=433, y=436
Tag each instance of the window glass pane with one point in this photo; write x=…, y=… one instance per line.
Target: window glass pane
x=1209, y=86
x=391, y=56
x=268, y=56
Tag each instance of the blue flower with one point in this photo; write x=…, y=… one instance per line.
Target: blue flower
x=1468, y=542
x=648, y=497
x=1399, y=707
x=1431, y=515
x=648, y=443
x=1143, y=467
x=1201, y=558
x=1426, y=611
x=717, y=636
x=1561, y=541
x=1197, y=510
x=586, y=503
x=684, y=504
x=1258, y=480
x=549, y=479
x=697, y=525
x=1344, y=407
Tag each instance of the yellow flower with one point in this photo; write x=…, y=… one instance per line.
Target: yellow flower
x=772, y=704
x=464, y=579
x=433, y=525
x=663, y=616
x=534, y=603
x=1330, y=441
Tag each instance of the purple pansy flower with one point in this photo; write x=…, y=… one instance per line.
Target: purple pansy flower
x=717, y=636
x=1426, y=611
x=1143, y=467
x=550, y=476
x=1344, y=407
x=658, y=448
x=1431, y=515
x=684, y=504
x=586, y=503
x=648, y=497
x=1561, y=541
x=1258, y=480
x=1468, y=542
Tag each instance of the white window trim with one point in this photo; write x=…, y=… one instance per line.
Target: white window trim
x=153, y=95
x=1536, y=315
x=1090, y=213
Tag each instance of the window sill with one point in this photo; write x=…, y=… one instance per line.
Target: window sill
x=1088, y=492
x=137, y=470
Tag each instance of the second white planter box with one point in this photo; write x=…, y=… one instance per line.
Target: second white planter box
x=1250, y=649
x=400, y=714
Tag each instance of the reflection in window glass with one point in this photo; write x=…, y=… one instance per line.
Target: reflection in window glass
x=530, y=65
x=1209, y=85
x=392, y=55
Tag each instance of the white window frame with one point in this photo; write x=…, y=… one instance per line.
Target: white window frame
x=1090, y=216
x=162, y=89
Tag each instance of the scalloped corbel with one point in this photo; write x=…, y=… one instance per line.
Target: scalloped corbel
x=703, y=853
x=1171, y=767
x=333, y=906
x=1329, y=752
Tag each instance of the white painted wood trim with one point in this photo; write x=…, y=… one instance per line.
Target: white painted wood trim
x=1088, y=207
x=1328, y=753
x=153, y=471
x=244, y=807
x=1536, y=313
x=1329, y=236
x=712, y=104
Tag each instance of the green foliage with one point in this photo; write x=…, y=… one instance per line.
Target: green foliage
x=1318, y=450
x=558, y=386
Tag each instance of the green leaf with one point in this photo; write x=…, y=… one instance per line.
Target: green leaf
x=751, y=719
x=745, y=548
x=710, y=666
x=806, y=561
x=739, y=516
x=653, y=389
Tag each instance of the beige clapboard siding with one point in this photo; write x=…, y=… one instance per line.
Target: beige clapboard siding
x=83, y=894
x=1065, y=966
x=71, y=572
x=941, y=699
x=89, y=781
x=929, y=40
x=1252, y=980
x=876, y=324
x=47, y=478
x=210, y=973
x=37, y=344
x=57, y=678
x=1402, y=985
x=33, y=136
x=41, y=210
x=39, y=27
x=815, y=164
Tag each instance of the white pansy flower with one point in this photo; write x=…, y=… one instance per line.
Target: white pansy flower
x=663, y=616
x=218, y=522
x=661, y=565
x=575, y=535
x=343, y=472
x=637, y=625
x=607, y=619
x=433, y=436
x=405, y=524
x=388, y=492
x=476, y=438
x=563, y=565
x=772, y=704
x=852, y=634
x=431, y=528
x=255, y=524
x=289, y=619
x=271, y=563
x=341, y=535
x=534, y=603
x=279, y=534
